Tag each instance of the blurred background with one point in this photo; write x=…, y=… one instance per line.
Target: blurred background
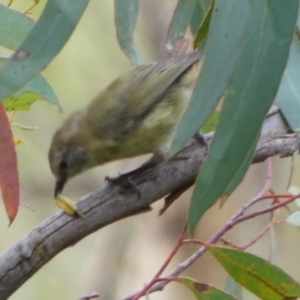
x=119, y=259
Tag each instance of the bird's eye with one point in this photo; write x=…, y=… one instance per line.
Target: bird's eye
x=63, y=165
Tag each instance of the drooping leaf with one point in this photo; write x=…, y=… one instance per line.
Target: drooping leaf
x=288, y=96
x=9, y=176
x=204, y=26
x=126, y=13
x=181, y=20
x=263, y=279
x=201, y=8
x=41, y=45
x=240, y=173
x=14, y=27
x=294, y=219
x=218, y=66
x=204, y=291
x=262, y=55
x=36, y=89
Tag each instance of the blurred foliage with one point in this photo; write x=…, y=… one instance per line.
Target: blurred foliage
x=91, y=59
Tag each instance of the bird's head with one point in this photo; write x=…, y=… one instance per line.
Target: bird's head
x=66, y=159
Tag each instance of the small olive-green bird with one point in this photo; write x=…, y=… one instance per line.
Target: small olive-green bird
x=136, y=114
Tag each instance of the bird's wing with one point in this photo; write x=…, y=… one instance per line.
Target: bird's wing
x=154, y=81
x=138, y=92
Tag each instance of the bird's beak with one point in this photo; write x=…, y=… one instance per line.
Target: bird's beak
x=60, y=183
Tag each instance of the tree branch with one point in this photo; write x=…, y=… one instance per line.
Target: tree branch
x=112, y=203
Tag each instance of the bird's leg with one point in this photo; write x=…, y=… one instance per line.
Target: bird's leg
x=125, y=181
x=156, y=159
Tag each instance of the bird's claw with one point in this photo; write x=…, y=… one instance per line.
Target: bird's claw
x=124, y=182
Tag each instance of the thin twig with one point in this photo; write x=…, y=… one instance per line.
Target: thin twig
x=291, y=173
x=236, y=219
x=266, y=210
x=160, y=271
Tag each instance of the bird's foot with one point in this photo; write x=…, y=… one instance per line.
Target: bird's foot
x=125, y=182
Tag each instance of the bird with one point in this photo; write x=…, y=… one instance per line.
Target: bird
x=136, y=114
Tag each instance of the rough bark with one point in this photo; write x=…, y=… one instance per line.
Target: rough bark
x=112, y=203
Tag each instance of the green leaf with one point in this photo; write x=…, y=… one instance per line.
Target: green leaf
x=233, y=288
x=203, y=291
x=240, y=173
x=45, y=40
x=288, y=96
x=37, y=89
x=21, y=102
x=262, y=56
x=294, y=219
x=201, y=8
x=211, y=124
x=227, y=28
x=181, y=20
x=126, y=13
x=294, y=190
x=14, y=27
x=204, y=26
x=263, y=279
